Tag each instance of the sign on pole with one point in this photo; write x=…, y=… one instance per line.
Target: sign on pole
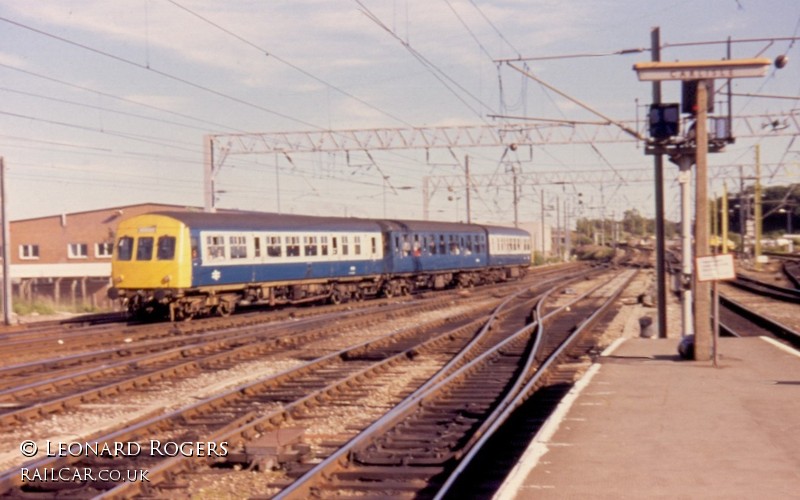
x=701, y=70
x=715, y=267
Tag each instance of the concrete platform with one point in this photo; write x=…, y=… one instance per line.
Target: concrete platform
x=642, y=423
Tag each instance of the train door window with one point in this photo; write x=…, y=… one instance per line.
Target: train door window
x=215, y=247
x=442, y=245
x=468, y=247
x=310, y=244
x=293, y=246
x=124, y=248
x=397, y=246
x=144, y=248
x=432, y=244
x=406, y=246
x=357, y=245
x=335, y=245
x=274, y=246
x=256, y=246
x=345, y=246
x=374, y=245
x=323, y=245
x=195, y=247
x=238, y=246
x=166, y=248
x=417, y=249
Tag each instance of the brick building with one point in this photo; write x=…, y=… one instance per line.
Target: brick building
x=67, y=257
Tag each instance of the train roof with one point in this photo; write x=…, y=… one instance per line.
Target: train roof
x=266, y=221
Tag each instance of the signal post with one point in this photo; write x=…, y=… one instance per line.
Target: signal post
x=685, y=150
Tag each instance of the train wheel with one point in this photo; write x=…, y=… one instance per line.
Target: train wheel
x=336, y=297
x=225, y=309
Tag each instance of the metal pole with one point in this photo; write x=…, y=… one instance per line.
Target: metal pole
x=6, y=246
x=702, y=301
x=208, y=174
x=724, y=223
x=684, y=179
x=757, y=211
x=542, y=200
x=658, y=165
x=469, y=187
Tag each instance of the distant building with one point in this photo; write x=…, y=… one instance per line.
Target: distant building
x=67, y=257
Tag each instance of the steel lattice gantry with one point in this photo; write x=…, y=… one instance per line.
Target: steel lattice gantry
x=218, y=146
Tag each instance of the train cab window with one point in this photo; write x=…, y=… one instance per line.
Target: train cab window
x=356, y=245
x=274, y=246
x=166, y=248
x=323, y=245
x=215, y=247
x=310, y=244
x=238, y=247
x=293, y=246
x=125, y=248
x=144, y=248
x=345, y=246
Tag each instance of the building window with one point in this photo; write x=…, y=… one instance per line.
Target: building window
x=78, y=251
x=103, y=250
x=29, y=252
x=238, y=247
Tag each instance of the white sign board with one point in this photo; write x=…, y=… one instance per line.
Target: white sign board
x=701, y=70
x=715, y=267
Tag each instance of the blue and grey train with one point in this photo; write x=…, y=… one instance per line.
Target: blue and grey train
x=184, y=264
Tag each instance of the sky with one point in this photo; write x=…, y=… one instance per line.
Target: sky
x=104, y=104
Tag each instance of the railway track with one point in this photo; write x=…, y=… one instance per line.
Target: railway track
x=287, y=392
x=422, y=447
x=34, y=390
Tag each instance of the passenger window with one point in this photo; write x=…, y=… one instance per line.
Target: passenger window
x=310, y=243
x=215, y=247
x=238, y=247
x=166, y=248
x=293, y=246
x=144, y=248
x=125, y=248
x=274, y=246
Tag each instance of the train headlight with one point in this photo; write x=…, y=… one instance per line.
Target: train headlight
x=166, y=279
x=119, y=279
